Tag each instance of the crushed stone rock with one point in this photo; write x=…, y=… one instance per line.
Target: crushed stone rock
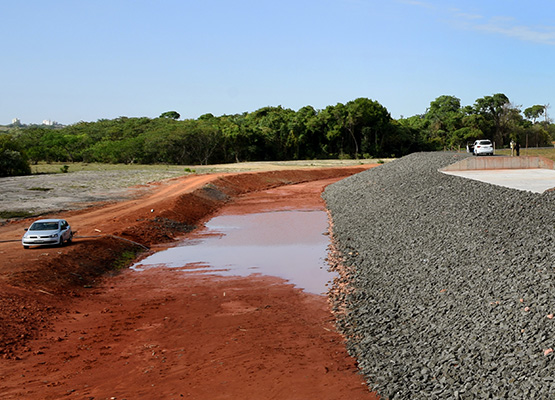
x=445, y=282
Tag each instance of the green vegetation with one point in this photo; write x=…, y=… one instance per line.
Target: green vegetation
x=13, y=160
x=43, y=167
x=448, y=125
x=531, y=151
x=124, y=260
x=170, y=114
x=14, y=214
x=361, y=128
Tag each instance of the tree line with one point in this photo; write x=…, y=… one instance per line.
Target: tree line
x=359, y=128
x=446, y=124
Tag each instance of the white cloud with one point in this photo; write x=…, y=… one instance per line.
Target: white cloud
x=499, y=25
x=466, y=16
x=508, y=27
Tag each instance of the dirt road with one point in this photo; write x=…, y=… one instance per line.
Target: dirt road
x=72, y=328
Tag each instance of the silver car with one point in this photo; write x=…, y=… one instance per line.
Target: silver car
x=44, y=232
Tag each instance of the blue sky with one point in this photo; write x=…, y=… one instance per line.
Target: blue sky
x=78, y=60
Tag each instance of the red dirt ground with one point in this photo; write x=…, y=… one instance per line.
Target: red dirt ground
x=72, y=327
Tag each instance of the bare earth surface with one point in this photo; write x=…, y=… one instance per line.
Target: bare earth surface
x=41, y=193
x=71, y=327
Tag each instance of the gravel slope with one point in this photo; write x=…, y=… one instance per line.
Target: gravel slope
x=450, y=289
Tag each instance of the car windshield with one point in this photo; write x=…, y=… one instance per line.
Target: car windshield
x=484, y=142
x=44, y=226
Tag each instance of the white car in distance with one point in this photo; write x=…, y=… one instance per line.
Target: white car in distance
x=483, y=147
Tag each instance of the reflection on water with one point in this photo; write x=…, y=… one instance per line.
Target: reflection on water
x=289, y=244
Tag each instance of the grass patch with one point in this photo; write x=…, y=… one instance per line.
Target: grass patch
x=177, y=170
x=532, y=151
x=124, y=260
x=15, y=214
x=57, y=168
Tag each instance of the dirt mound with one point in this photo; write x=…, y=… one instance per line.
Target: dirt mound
x=79, y=267
x=177, y=213
x=38, y=292
x=22, y=316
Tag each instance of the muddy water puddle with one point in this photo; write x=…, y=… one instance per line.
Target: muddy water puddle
x=288, y=244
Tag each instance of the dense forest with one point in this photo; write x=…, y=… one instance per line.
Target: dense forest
x=359, y=128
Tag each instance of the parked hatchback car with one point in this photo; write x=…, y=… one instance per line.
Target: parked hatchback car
x=45, y=232
x=483, y=147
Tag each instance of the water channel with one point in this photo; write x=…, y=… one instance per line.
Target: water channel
x=289, y=244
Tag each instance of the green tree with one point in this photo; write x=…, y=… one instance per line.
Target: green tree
x=444, y=117
x=206, y=117
x=368, y=124
x=403, y=140
x=170, y=114
x=496, y=109
x=304, y=137
x=12, y=160
x=534, y=112
x=240, y=141
x=331, y=121
x=30, y=141
x=271, y=124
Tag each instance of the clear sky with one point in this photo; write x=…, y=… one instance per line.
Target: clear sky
x=79, y=60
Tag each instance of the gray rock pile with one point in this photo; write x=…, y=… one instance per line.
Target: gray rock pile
x=447, y=287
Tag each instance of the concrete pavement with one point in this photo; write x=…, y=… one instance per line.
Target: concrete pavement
x=531, y=173
x=533, y=180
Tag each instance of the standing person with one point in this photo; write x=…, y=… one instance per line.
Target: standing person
x=512, y=147
x=517, y=148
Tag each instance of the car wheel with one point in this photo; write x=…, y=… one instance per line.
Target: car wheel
x=25, y=247
x=61, y=242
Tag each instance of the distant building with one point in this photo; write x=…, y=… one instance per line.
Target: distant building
x=16, y=121
x=49, y=122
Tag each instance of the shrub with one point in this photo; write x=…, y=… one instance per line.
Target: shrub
x=12, y=160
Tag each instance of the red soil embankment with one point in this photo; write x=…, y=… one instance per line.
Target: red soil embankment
x=69, y=330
